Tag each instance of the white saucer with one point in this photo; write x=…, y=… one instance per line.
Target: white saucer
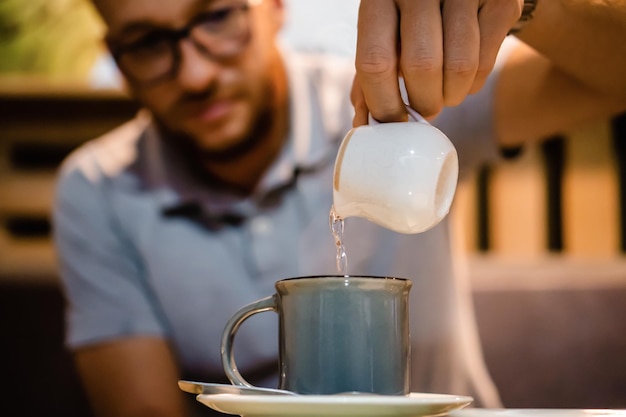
x=412, y=405
x=537, y=412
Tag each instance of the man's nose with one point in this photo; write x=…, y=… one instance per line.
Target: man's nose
x=197, y=71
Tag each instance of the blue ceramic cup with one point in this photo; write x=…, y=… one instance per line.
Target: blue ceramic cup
x=336, y=334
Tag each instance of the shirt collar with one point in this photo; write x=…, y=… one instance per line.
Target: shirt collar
x=308, y=145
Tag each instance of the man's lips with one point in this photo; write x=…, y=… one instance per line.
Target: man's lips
x=211, y=111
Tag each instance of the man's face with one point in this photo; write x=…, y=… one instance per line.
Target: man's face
x=212, y=97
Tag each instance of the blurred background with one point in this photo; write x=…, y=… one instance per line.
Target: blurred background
x=544, y=234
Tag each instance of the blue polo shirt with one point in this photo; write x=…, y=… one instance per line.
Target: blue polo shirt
x=147, y=249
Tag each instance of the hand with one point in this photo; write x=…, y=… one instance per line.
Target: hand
x=444, y=50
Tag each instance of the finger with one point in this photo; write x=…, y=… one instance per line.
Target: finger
x=361, y=112
x=421, y=54
x=495, y=19
x=461, y=49
x=376, y=59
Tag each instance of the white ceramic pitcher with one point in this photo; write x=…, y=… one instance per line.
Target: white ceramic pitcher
x=401, y=176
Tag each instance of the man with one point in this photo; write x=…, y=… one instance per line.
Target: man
x=168, y=225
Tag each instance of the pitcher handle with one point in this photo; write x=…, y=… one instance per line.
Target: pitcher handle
x=413, y=116
x=228, y=336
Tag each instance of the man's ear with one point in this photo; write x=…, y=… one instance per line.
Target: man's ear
x=278, y=7
x=280, y=4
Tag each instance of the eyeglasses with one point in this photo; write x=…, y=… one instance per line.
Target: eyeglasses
x=220, y=33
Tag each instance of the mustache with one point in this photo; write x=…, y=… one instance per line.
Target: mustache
x=208, y=93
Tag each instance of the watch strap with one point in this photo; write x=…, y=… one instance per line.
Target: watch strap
x=527, y=14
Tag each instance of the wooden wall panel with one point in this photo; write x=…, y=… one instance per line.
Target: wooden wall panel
x=590, y=194
x=517, y=206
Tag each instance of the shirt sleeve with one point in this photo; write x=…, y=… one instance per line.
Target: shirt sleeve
x=100, y=270
x=470, y=125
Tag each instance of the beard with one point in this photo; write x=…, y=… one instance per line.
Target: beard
x=259, y=129
x=197, y=159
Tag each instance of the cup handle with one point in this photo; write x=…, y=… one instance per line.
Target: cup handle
x=413, y=116
x=228, y=336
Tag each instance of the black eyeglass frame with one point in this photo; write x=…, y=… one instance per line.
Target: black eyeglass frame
x=173, y=38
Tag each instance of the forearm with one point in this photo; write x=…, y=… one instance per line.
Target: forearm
x=535, y=100
x=131, y=377
x=584, y=38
